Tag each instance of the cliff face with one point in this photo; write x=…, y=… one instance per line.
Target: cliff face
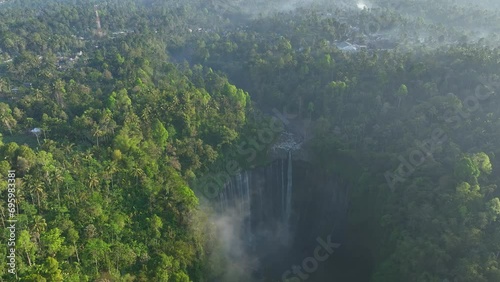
x=281, y=211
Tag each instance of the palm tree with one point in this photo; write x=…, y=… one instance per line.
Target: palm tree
x=402, y=92
x=37, y=188
x=45, y=128
x=28, y=183
x=87, y=157
x=57, y=175
x=38, y=227
x=6, y=117
x=68, y=148
x=38, y=94
x=20, y=193
x=137, y=172
x=3, y=85
x=49, y=145
x=69, y=193
x=109, y=171
x=75, y=160
x=146, y=115
x=97, y=131
x=93, y=181
x=107, y=124
x=2, y=211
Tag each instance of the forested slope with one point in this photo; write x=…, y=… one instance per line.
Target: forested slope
x=130, y=119
x=102, y=190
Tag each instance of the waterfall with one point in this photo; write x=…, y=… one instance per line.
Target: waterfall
x=288, y=209
x=248, y=205
x=239, y=187
x=235, y=197
x=283, y=192
x=270, y=214
x=275, y=212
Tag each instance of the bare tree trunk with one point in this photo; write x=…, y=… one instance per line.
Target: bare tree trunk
x=77, y=256
x=3, y=217
x=58, y=195
x=28, y=257
x=96, y=266
x=8, y=126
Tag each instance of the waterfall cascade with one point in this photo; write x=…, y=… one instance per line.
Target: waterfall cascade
x=288, y=207
x=282, y=208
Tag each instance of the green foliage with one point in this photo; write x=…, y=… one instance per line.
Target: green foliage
x=160, y=134
x=466, y=169
x=52, y=241
x=402, y=91
x=103, y=190
x=482, y=161
x=494, y=208
x=51, y=270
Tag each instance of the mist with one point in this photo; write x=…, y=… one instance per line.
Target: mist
x=238, y=263
x=252, y=141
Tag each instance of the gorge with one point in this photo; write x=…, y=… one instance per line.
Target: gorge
x=276, y=214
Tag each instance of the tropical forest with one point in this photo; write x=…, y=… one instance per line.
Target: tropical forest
x=250, y=141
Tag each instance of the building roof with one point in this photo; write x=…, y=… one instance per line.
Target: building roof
x=343, y=44
x=346, y=46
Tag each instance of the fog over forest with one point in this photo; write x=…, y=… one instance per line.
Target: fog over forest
x=250, y=141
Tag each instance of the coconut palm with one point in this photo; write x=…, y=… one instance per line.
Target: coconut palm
x=93, y=181
x=137, y=173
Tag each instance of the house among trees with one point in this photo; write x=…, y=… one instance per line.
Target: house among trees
x=348, y=47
